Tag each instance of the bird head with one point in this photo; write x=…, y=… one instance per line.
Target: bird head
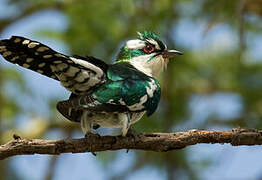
x=147, y=53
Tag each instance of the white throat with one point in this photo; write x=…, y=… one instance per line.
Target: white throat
x=151, y=67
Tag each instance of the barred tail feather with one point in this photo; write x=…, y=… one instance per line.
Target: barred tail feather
x=77, y=74
x=29, y=54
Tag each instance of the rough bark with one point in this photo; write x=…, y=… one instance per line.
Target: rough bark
x=159, y=142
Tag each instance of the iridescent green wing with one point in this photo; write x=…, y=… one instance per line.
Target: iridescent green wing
x=125, y=90
x=130, y=88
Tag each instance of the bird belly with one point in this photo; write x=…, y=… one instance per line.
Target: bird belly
x=111, y=120
x=108, y=120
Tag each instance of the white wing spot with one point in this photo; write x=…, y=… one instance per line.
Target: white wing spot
x=47, y=56
x=150, y=90
x=33, y=44
x=26, y=41
x=66, y=83
x=82, y=76
x=72, y=71
x=62, y=77
x=14, y=58
x=111, y=101
x=62, y=66
x=26, y=65
x=138, y=106
x=122, y=102
x=42, y=49
x=41, y=65
x=7, y=53
x=91, y=82
x=53, y=68
x=57, y=62
x=2, y=48
x=80, y=87
x=59, y=55
x=17, y=40
x=28, y=60
x=40, y=71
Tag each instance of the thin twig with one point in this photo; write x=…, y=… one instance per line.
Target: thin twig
x=159, y=142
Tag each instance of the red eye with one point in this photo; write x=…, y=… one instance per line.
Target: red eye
x=148, y=49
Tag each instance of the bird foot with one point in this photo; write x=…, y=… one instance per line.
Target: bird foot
x=16, y=137
x=90, y=135
x=131, y=133
x=94, y=153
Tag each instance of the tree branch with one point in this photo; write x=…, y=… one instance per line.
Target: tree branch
x=159, y=142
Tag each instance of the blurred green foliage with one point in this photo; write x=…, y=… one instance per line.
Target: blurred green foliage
x=98, y=28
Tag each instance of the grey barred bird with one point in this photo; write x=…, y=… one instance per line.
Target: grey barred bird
x=108, y=95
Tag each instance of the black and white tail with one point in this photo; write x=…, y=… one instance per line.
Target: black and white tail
x=29, y=54
x=77, y=74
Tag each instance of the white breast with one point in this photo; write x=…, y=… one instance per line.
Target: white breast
x=151, y=67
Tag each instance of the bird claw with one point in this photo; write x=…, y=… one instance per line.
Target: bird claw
x=16, y=137
x=131, y=132
x=94, y=153
x=90, y=135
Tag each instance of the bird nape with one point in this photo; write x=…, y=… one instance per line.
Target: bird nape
x=108, y=95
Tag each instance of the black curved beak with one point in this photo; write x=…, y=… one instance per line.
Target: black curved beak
x=171, y=53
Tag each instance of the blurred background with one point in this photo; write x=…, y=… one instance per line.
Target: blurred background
x=215, y=85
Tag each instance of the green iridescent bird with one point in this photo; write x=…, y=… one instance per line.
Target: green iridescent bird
x=108, y=95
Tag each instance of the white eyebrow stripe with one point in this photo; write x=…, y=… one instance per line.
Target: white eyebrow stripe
x=135, y=44
x=152, y=41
